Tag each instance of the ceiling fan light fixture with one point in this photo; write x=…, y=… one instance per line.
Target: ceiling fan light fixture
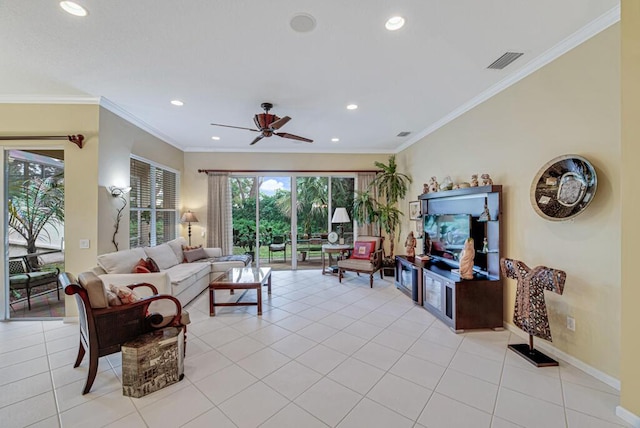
x=177, y=103
x=352, y=107
x=394, y=23
x=73, y=8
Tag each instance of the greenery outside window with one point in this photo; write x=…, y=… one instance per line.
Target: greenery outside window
x=154, y=203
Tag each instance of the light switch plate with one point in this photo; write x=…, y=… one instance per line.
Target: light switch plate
x=84, y=243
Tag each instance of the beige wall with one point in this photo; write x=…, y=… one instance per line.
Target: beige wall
x=118, y=140
x=630, y=338
x=571, y=106
x=194, y=195
x=81, y=169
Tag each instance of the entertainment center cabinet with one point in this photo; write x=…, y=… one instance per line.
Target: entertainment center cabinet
x=461, y=304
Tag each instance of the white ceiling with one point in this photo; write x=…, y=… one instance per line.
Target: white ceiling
x=224, y=58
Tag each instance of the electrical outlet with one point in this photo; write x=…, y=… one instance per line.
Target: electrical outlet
x=84, y=244
x=202, y=233
x=571, y=323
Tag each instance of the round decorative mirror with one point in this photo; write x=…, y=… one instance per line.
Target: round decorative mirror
x=563, y=187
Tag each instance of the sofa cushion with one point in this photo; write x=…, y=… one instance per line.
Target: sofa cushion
x=95, y=290
x=176, y=246
x=163, y=255
x=121, y=261
x=193, y=255
x=357, y=264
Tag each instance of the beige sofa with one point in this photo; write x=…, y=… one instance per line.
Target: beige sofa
x=182, y=280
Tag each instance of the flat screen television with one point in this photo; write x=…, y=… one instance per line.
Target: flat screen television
x=447, y=233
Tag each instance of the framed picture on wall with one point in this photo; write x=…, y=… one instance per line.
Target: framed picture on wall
x=414, y=210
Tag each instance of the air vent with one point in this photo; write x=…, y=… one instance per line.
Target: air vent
x=404, y=133
x=505, y=60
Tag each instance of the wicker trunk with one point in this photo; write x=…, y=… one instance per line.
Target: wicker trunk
x=152, y=361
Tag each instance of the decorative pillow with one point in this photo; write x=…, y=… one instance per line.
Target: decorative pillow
x=163, y=256
x=113, y=298
x=193, y=255
x=125, y=294
x=141, y=267
x=362, y=249
x=188, y=248
x=152, y=265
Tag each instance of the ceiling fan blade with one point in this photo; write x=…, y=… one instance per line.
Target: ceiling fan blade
x=280, y=122
x=236, y=127
x=258, y=138
x=293, y=137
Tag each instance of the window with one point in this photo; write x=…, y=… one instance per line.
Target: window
x=154, y=204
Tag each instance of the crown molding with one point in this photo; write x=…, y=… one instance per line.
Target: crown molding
x=199, y=149
x=628, y=417
x=47, y=99
x=123, y=114
x=596, y=26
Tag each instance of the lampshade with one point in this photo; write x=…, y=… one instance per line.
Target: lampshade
x=340, y=216
x=189, y=217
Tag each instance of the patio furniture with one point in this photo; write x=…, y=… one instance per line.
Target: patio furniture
x=104, y=328
x=22, y=275
x=277, y=245
x=365, y=258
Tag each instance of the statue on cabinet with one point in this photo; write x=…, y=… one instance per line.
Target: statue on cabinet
x=486, y=180
x=425, y=188
x=433, y=185
x=467, y=255
x=474, y=180
x=410, y=245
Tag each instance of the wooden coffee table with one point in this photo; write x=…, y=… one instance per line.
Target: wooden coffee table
x=240, y=279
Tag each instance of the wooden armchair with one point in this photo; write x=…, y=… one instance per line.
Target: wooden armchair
x=360, y=261
x=103, y=330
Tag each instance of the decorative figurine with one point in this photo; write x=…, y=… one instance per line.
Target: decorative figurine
x=447, y=183
x=467, y=255
x=474, y=180
x=530, y=313
x=425, y=188
x=485, y=245
x=433, y=185
x=486, y=180
x=427, y=244
x=486, y=215
x=410, y=245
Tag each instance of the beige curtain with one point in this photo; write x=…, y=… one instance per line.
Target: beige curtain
x=363, y=181
x=219, y=217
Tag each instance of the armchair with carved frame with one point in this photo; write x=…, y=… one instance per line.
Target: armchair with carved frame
x=103, y=330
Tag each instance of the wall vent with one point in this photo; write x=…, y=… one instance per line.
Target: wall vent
x=505, y=60
x=404, y=133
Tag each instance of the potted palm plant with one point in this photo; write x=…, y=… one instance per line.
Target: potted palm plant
x=392, y=186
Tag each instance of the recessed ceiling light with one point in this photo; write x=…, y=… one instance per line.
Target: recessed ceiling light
x=177, y=103
x=335, y=140
x=73, y=8
x=394, y=23
x=215, y=138
x=303, y=23
x=352, y=106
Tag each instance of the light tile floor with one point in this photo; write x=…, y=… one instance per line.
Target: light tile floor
x=322, y=354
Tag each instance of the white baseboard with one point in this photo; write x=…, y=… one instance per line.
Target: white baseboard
x=627, y=416
x=601, y=376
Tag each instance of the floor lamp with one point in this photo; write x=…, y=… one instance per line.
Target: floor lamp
x=340, y=216
x=189, y=217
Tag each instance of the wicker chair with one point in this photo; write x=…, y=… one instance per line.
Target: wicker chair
x=103, y=330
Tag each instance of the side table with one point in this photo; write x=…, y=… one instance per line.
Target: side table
x=327, y=253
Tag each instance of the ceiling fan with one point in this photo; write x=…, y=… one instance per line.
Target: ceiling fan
x=267, y=125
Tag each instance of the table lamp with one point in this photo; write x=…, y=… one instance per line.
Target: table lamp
x=340, y=216
x=189, y=217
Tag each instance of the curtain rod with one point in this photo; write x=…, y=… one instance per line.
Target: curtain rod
x=287, y=170
x=78, y=139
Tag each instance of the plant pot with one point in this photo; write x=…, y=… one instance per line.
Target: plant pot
x=389, y=272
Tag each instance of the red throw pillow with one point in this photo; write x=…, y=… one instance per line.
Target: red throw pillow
x=141, y=267
x=152, y=265
x=363, y=249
